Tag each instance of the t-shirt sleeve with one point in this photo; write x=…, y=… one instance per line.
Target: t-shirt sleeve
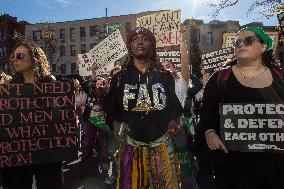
x=181, y=90
x=175, y=107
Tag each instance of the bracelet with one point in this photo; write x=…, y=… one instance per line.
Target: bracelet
x=121, y=129
x=209, y=131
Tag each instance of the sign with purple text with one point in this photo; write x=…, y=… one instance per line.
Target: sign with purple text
x=37, y=123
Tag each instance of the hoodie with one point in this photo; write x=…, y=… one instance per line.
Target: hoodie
x=146, y=102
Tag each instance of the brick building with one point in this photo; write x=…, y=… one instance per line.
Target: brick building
x=79, y=36
x=8, y=25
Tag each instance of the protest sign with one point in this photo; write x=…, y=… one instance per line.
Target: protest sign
x=85, y=64
x=172, y=56
x=108, y=51
x=165, y=25
x=228, y=39
x=215, y=60
x=37, y=123
x=252, y=127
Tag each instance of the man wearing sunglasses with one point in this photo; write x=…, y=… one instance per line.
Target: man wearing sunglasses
x=252, y=78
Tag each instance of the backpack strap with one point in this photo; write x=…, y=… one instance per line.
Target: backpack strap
x=222, y=78
x=279, y=72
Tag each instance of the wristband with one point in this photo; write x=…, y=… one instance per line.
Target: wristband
x=209, y=131
x=121, y=129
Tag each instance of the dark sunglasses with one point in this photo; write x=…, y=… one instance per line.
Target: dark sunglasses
x=18, y=56
x=247, y=41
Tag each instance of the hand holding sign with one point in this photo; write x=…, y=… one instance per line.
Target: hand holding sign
x=214, y=142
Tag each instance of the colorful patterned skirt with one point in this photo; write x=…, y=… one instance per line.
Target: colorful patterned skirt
x=153, y=165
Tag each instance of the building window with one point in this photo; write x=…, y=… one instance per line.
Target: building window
x=3, y=52
x=198, y=35
x=72, y=50
x=72, y=33
x=36, y=36
x=209, y=38
x=62, y=51
x=128, y=27
x=3, y=36
x=73, y=68
x=103, y=31
x=83, y=48
x=51, y=51
x=63, y=68
x=94, y=30
x=82, y=32
x=62, y=34
x=53, y=34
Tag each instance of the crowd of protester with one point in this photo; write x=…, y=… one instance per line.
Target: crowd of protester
x=164, y=123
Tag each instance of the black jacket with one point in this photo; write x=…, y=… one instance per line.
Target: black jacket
x=94, y=95
x=146, y=102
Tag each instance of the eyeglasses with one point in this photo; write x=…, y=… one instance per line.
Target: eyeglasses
x=247, y=41
x=18, y=56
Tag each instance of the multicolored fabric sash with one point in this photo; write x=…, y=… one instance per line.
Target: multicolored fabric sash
x=149, y=165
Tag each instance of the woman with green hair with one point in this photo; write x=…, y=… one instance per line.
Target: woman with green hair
x=253, y=77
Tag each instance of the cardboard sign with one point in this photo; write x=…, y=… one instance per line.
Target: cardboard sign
x=165, y=25
x=108, y=51
x=228, y=39
x=85, y=64
x=252, y=127
x=38, y=123
x=215, y=60
x=172, y=56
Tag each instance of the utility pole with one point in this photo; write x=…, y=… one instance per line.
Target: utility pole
x=107, y=23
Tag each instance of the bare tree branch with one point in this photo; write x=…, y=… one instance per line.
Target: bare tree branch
x=220, y=6
x=267, y=8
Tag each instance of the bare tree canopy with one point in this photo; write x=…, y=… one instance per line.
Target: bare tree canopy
x=267, y=8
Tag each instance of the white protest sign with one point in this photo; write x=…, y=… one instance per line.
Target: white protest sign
x=105, y=71
x=165, y=25
x=108, y=51
x=85, y=64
